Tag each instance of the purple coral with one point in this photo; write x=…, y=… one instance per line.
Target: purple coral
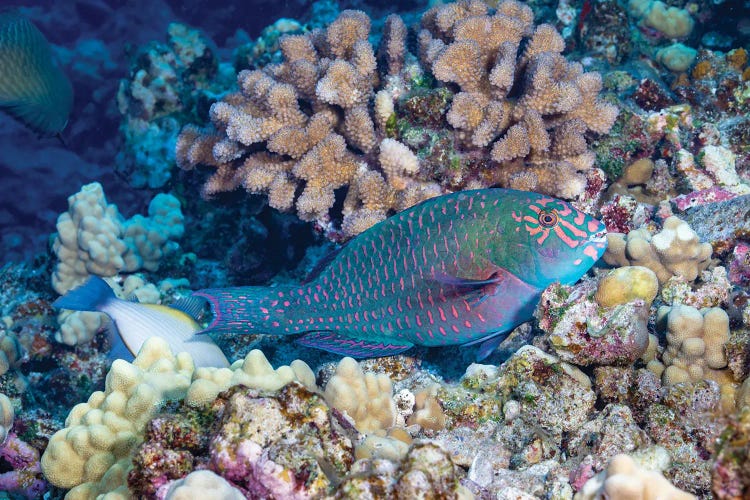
x=25, y=477
x=739, y=265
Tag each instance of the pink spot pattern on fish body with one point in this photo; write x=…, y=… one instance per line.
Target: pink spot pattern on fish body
x=389, y=280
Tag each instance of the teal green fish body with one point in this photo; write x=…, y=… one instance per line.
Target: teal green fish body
x=456, y=269
x=32, y=86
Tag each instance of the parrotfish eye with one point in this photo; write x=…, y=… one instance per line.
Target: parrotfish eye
x=548, y=218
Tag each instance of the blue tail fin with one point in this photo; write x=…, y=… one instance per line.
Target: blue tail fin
x=87, y=297
x=248, y=309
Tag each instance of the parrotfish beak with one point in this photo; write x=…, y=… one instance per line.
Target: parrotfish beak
x=596, y=244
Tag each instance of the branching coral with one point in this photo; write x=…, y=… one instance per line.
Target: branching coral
x=321, y=148
x=333, y=115
x=530, y=103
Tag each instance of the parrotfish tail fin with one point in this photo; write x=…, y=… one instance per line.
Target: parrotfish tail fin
x=240, y=310
x=90, y=296
x=351, y=346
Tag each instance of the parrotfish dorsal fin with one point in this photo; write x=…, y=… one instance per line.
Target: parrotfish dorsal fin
x=193, y=306
x=353, y=346
x=323, y=263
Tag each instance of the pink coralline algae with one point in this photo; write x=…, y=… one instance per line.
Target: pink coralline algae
x=25, y=477
x=156, y=467
x=282, y=447
x=582, y=332
x=739, y=265
x=702, y=197
x=730, y=476
x=618, y=214
x=174, y=444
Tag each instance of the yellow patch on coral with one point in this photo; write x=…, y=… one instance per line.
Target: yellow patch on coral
x=626, y=284
x=737, y=58
x=703, y=69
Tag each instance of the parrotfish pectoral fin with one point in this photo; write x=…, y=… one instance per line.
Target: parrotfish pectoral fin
x=474, y=291
x=447, y=279
x=351, y=346
x=89, y=296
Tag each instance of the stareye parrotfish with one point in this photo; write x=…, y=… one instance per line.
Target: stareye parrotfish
x=462, y=268
x=136, y=322
x=32, y=86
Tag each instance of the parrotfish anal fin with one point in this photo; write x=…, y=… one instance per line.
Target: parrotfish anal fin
x=354, y=347
x=488, y=344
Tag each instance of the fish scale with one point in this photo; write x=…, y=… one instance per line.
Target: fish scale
x=456, y=269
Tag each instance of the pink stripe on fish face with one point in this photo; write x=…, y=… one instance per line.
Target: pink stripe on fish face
x=576, y=232
x=565, y=238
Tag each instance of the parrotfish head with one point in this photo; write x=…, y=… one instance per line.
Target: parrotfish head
x=548, y=240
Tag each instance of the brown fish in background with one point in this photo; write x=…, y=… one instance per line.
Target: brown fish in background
x=32, y=87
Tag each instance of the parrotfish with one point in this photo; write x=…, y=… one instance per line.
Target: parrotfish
x=136, y=322
x=462, y=268
x=32, y=87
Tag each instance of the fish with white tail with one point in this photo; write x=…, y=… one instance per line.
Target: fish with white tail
x=137, y=322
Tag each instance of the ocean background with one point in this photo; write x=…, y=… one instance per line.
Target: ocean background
x=596, y=383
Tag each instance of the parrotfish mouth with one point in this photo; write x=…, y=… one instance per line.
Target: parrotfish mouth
x=596, y=245
x=599, y=237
